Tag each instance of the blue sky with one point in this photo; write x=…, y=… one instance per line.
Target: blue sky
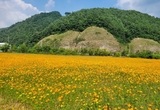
x=70, y=5
x=12, y=11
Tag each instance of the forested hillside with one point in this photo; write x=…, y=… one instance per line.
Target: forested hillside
x=22, y=32
x=125, y=25
x=2, y=29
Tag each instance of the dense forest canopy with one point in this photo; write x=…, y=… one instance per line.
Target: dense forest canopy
x=125, y=25
x=22, y=32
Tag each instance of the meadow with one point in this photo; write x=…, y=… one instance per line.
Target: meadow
x=52, y=82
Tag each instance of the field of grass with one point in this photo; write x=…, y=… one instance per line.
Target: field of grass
x=48, y=82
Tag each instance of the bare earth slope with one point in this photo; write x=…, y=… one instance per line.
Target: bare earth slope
x=95, y=37
x=140, y=44
x=92, y=37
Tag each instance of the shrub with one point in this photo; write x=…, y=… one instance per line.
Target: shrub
x=23, y=48
x=91, y=52
x=78, y=39
x=46, y=49
x=156, y=56
x=53, y=50
x=61, y=51
x=144, y=54
x=118, y=54
x=37, y=49
x=84, y=51
x=5, y=48
x=67, y=52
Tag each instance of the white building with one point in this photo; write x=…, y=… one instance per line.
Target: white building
x=1, y=44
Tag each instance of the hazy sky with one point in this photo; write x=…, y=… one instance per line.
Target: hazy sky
x=12, y=11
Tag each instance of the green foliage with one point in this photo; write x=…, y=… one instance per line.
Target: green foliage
x=91, y=51
x=67, y=13
x=22, y=32
x=125, y=52
x=83, y=51
x=13, y=48
x=118, y=54
x=146, y=54
x=78, y=39
x=97, y=33
x=5, y=48
x=37, y=49
x=156, y=56
x=101, y=52
x=56, y=43
x=70, y=52
x=54, y=50
x=46, y=49
x=124, y=25
x=47, y=40
x=23, y=48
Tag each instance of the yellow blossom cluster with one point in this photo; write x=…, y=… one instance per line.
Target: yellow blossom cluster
x=80, y=82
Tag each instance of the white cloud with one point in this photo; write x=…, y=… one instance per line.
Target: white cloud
x=50, y=4
x=12, y=11
x=146, y=6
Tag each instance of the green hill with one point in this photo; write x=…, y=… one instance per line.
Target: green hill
x=22, y=32
x=125, y=25
x=80, y=29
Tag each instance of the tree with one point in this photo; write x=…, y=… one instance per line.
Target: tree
x=13, y=48
x=5, y=48
x=46, y=49
x=23, y=48
x=67, y=13
x=37, y=49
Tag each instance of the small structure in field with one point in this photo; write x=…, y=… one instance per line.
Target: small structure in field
x=5, y=49
x=1, y=44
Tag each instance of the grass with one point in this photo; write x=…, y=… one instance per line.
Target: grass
x=79, y=82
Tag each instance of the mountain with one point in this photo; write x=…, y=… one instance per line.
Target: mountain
x=22, y=32
x=125, y=25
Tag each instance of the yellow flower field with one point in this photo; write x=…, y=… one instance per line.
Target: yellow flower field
x=49, y=82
